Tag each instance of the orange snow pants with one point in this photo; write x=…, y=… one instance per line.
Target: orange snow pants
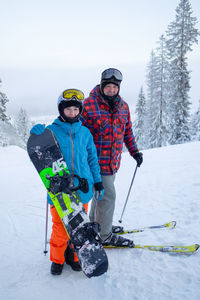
x=59, y=238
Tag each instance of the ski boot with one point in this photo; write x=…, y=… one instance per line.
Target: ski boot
x=114, y=240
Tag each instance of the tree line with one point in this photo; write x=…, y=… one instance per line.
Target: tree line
x=13, y=132
x=163, y=114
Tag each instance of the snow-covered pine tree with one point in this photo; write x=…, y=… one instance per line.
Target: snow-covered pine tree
x=4, y=119
x=3, y=137
x=195, y=125
x=139, y=123
x=151, y=104
x=181, y=34
x=8, y=134
x=161, y=92
x=3, y=101
x=23, y=125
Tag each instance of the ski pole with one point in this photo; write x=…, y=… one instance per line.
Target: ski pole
x=120, y=220
x=46, y=230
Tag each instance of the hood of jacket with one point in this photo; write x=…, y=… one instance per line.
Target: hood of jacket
x=69, y=128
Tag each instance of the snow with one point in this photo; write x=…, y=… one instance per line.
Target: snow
x=166, y=188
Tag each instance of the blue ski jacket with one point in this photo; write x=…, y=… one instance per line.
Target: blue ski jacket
x=79, y=151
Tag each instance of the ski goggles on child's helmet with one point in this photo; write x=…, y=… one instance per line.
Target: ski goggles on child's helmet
x=71, y=94
x=109, y=73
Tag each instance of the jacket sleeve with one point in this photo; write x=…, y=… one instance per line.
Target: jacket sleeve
x=93, y=159
x=129, y=138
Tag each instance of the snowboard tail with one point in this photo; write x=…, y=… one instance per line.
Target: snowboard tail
x=47, y=158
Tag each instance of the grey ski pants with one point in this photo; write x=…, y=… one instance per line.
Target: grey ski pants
x=102, y=211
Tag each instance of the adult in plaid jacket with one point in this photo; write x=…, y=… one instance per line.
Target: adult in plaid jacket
x=107, y=116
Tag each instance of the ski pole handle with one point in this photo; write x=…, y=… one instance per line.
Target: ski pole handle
x=120, y=220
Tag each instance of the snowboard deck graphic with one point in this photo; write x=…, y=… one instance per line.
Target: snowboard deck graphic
x=47, y=158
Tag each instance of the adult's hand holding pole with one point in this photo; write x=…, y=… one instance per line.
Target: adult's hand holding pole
x=139, y=158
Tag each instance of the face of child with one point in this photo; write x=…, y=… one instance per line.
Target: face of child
x=71, y=112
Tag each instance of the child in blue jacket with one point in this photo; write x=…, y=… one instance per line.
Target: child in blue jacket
x=79, y=152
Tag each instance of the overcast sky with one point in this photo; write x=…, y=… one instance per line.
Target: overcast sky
x=48, y=46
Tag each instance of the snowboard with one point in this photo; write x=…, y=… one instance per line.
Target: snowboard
x=48, y=160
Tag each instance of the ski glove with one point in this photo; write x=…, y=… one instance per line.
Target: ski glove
x=37, y=129
x=99, y=191
x=139, y=158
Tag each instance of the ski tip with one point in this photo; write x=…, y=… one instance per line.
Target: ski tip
x=193, y=248
x=172, y=224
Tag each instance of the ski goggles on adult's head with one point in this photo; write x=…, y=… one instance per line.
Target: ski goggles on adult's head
x=109, y=73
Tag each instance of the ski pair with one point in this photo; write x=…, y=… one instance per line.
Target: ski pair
x=169, y=249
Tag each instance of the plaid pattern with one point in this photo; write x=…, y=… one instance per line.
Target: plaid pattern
x=109, y=130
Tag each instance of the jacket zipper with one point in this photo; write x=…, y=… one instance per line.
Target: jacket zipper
x=111, y=142
x=72, y=150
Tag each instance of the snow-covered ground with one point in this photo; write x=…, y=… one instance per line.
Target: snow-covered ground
x=166, y=188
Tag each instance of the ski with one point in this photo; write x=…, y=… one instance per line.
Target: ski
x=121, y=230
x=168, y=249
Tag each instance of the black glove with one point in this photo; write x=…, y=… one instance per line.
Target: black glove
x=139, y=158
x=99, y=190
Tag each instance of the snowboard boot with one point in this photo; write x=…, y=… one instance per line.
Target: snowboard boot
x=114, y=240
x=56, y=269
x=70, y=259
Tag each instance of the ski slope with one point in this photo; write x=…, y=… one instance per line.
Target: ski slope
x=166, y=188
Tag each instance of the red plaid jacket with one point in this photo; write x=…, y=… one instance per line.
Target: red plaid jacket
x=109, y=130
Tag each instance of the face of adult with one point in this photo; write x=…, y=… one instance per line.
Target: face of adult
x=110, y=89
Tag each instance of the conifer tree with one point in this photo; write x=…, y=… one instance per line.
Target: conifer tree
x=181, y=35
x=23, y=125
x=195, y=125
x=161, y=93
x=151, y=134
x=139, y=123
x=3, y=101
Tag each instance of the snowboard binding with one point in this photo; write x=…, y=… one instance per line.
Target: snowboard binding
x=65, y=184
x=89, y=231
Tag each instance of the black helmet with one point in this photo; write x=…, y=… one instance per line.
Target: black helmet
x=70, y=97
x=112, y=72
x=113, y=76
